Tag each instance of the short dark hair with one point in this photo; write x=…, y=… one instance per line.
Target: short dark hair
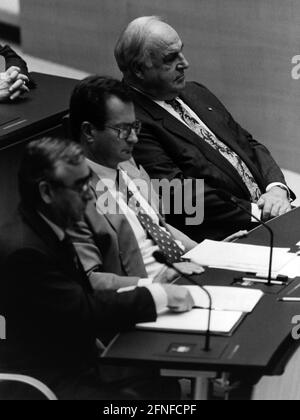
x=88, y=102
x=39, y=162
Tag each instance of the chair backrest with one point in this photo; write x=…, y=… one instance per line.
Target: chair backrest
x=34, y=383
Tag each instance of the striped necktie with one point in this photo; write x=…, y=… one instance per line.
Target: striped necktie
x=233, y=158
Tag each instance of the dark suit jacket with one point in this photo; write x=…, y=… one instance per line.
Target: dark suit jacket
x=13, y=59
x=53, y=315
x=169, y=149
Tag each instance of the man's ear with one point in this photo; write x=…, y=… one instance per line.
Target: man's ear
x=87, y=130
x=45, y=192
x=138, y=71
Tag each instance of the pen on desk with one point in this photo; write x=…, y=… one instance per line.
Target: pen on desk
x=257, y=280
x=289, y=299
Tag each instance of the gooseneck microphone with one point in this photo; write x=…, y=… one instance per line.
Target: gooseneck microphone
x=162, y=259
x=232, y=200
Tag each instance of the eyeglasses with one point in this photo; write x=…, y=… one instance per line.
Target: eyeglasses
x=125, y=131
x=81, y=187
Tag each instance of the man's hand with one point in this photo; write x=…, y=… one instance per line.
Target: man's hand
x=274, y=203
x=239, y=235
x=168, y=275
x=12, y=84
x=189, y=268
x=179, y=298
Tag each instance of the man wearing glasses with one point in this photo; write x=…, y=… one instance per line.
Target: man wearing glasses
x=125, y=228
x=54, y=317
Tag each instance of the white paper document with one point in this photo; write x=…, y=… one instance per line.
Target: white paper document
x=195, y=321
x=292, y=269
x=226, y=298
x=239, y=257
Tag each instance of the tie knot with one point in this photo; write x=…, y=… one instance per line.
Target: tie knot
x=173, y=102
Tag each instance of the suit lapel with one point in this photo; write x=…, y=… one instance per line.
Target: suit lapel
x=130, y=254
x=54, y=246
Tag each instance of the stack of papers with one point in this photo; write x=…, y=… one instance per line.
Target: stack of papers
x=226, y=298
x=195, y=322
x=240, y=257
x=229, y=306
x=292, y=269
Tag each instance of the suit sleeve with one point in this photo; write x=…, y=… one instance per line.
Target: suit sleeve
x=92, y=261
x=54, y=302
x=13, y=59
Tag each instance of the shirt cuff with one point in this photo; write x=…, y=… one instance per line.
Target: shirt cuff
x=281, y=185
x=159, y=296
x=255, y=212
x=145, y=282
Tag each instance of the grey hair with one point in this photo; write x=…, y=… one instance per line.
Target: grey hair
x=131, y=48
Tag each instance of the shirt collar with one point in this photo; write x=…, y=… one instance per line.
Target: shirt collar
x=103, y=172
x=56, y=229
x=158, y=102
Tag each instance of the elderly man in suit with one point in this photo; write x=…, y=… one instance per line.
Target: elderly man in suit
x=15, y=81
x=120, y=238
x=54, y=316
x=188, y=133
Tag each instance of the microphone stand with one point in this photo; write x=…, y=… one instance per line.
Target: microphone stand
x=160, y=257
x=232, y=200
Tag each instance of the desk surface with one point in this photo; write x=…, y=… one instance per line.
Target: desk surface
x=259, y=344
x=41, y=109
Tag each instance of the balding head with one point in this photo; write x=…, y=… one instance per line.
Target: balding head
x=134, y=45
x=150, y=45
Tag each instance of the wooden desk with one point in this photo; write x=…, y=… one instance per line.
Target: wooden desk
x=39, y=114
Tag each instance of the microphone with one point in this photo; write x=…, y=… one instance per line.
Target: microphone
x=230, y=199
x=162, y=259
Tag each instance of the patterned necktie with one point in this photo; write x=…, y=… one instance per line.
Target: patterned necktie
x=161, y=237
x=233, y=158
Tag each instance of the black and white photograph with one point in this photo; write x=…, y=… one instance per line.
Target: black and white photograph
x=149, y=203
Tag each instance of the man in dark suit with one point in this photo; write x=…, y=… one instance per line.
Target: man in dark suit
x=188, y=133
x=53, y=315
x=15, y=81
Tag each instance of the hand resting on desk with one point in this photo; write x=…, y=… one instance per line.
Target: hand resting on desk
x=179, y=298
x=186, y=268
x=12, y=84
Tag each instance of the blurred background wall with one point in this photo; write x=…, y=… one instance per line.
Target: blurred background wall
x=240, y=49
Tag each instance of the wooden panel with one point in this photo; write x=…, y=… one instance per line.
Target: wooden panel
x=241, y=50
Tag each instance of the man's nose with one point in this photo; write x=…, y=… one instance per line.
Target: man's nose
x=133, y=138
x=88, y=195
x=184, y=64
